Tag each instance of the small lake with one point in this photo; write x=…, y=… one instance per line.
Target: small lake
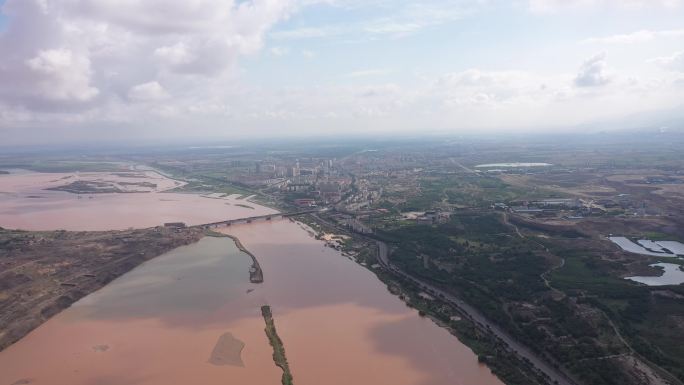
x=628, y=245
x=672, y=275
x=673, y=246
x=650, y=245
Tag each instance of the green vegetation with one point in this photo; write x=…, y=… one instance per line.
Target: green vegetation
x=485, y=262
x=547, y=276
x=504, y=363
x=648, y=317
x=204, y=180
x=278, y=348
x=658, y=236
x=467, y=191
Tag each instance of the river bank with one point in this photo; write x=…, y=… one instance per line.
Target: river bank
x=187, y=316
x=279, y=357
x=44, y=273
x=507, y=358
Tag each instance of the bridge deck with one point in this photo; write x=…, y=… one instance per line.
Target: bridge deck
x=254, y=218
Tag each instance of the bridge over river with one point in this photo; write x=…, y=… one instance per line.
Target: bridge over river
x=256, y=275
x=266, y=217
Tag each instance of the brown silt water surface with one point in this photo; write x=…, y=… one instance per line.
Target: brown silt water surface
x=339, y=323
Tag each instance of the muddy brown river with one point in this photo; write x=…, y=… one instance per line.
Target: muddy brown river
x=192, y=317
x=26, y=204
x=339, y=323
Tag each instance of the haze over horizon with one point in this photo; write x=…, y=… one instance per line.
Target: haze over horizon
x=89, y=70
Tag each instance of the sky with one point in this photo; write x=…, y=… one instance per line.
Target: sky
x=106, y=70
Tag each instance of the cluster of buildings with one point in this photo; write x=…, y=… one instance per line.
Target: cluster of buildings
x=305, y=182
x=577, y=208
x=569, y=208
x=432, y=217
x=316, y=193
x=315, y=181
x=285, y=169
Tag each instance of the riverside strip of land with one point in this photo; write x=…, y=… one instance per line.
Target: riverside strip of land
x=42, y=273
x=278, y=348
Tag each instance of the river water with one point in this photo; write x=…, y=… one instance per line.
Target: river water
x=157, y=324
x=192, y=317
x=339, y=323
x=26, y=204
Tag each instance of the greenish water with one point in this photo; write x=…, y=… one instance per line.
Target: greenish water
x=197, y=279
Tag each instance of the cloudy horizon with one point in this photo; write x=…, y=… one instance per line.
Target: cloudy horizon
x=87, y=70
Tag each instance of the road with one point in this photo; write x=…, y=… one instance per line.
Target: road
x=454, y=161
x=556, y=376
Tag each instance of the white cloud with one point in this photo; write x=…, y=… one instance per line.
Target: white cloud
x=593, y=72
x=545, y=6
x=636, y=37
x=62, y=75
x=175, y=55
x=473, y=98
x=146, y=92
x=304, y=33
x=399, y=19
x=478, y=89
x=87, y=54
x=674, y=62
x=368, y=72
x=279, y=51
x=172, y=64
